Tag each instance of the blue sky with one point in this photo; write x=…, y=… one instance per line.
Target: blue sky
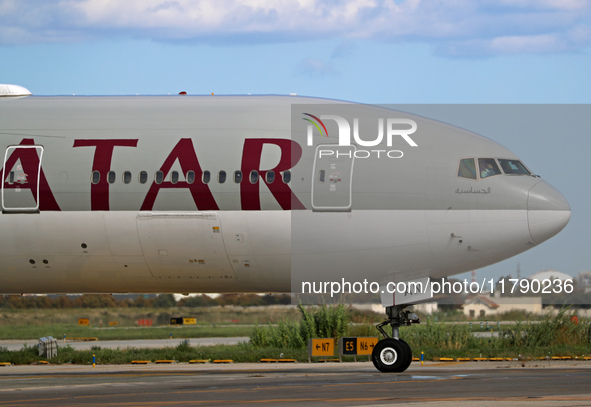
x=413, y=51
x=372, y=51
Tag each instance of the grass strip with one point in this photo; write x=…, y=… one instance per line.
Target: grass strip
x=182, y=353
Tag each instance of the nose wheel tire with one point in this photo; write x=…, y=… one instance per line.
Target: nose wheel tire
x=391, y=355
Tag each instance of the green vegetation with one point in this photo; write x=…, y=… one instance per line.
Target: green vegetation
x=181, y=353
x=553, y=335
x=321, y=322
x=457, y=315
x=128, y=317
x=136, y=301
x=212, y=321
x=552, y=330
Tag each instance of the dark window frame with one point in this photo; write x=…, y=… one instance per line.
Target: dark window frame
x=222, y=176
x=143, y=177
x=127, y=177
x=159, y=177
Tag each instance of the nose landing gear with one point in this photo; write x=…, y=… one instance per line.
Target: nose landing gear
x=392, y=354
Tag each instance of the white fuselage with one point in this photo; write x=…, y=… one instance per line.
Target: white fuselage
x=125, y=194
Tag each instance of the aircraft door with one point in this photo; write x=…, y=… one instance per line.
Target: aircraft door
x=20, y=178
x=332, y=177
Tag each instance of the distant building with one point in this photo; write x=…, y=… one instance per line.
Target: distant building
x=427, y=308
x=584, y=280
x=550, y=275
x=480, y=306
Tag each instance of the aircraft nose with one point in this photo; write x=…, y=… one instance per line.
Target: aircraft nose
x=548, y=212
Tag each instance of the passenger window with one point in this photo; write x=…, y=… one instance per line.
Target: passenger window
x=127, y=177
x=467, y=168
x=174, y=177
x=111, y=176
x=270, y=177
x=206, y=177
x=159, y=177
x=190, y=177
x=488, y=167
x=254, y=177
x=286, y=177
x=222, y=177
x=238, y=177
x=96, y=177
x=514, y=167
x=143, y=177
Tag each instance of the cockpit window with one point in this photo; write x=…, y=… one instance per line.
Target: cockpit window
x=513, y=167
x=467, y=168
x=488, y=167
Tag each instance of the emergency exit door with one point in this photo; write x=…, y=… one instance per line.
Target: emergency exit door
x=332, y=177
x=20, y=178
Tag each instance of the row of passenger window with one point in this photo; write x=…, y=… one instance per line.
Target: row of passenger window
x=175, y=177
x=487, y=167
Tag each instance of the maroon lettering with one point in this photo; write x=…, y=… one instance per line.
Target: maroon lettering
x=31, y=166
x=185, y=153
x=291, y=152
x=99, y=192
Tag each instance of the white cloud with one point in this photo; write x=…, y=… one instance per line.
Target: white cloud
x=455, y=27
x=541, y=4
x=571, y=40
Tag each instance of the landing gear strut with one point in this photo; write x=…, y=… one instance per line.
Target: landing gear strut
x=392, y=354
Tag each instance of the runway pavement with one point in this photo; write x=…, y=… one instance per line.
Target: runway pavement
x=541, y=383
